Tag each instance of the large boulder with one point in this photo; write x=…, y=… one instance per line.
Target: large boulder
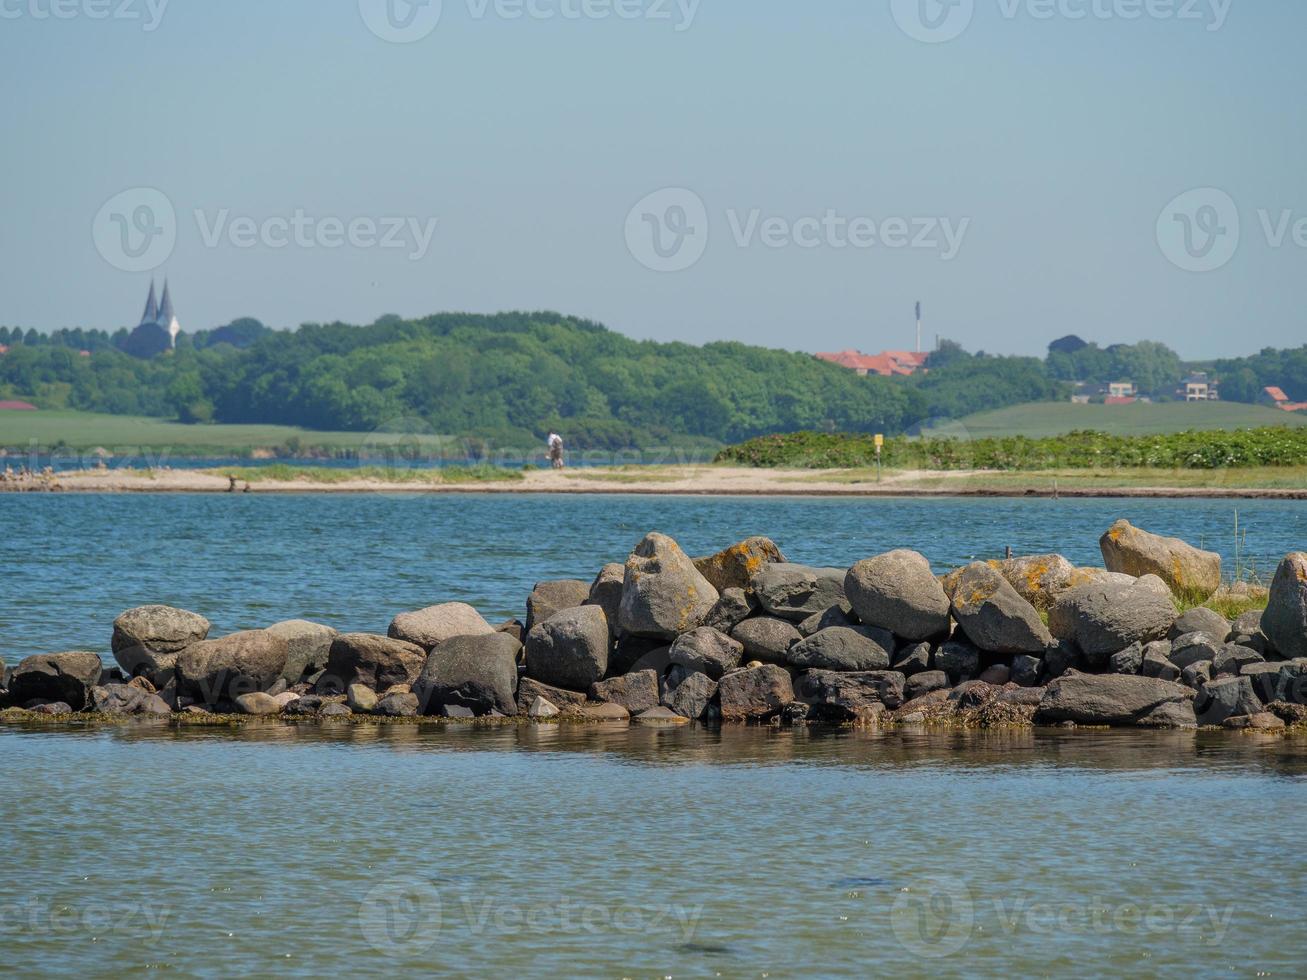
x=708, y=651
x=767, y=638
x=147, y=639
x=1285, y=620
x=606, y=593
x=554, y=596
x=58, y=677
x=756, y=693
x=898, y=591
x=735, y=567
x=1227, y=697
x=1115, y=699
x=993, y=615
x=635, y=692
x=1187, y=571
x=1192, y=648
x=663, y=594
x=690, y=695
x=570, y=648
x=430, y=627
x=475, y=672
x=1200, y=619
x=1039, y=579
x=1105, y=617
x=378, y=662
x=860, y=648
x=839, y=696
x=308, y=647
x=242, y=663
x=795, y=592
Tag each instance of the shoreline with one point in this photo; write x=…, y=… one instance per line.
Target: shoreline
x=678, y=481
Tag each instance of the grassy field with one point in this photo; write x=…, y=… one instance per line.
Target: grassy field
x=1057, y=418
x=87, y=430
x=1246, y=478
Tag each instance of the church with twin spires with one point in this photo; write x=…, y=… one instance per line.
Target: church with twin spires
x=159, y=327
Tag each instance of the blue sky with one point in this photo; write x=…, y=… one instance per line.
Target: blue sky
x=829, y=146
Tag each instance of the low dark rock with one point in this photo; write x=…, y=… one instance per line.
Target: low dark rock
x=767, y=638
x=548, y=598
x=58, y=677
x=732, y=607
x=1265, y=679
x=1127, y=661
x=1157, y=663
x=795, y=592
x=378, y=662
x=1231, y=659
x=1193, y=647
x=1226, y=697
x=569, y=649
x=860, y=648
x=690, y=696
x=1026, y=670
x=635, y=692
x=958, y=659
x=1200, y=620
x=914, y=658
x=924, y=683
x=843, y=696
x=756, y=693
x=1062, y=657
x=476, y=672
x=1196, y=675
x=528, y=689
x=1111, y=699
x=398, y=705
x=707, y=650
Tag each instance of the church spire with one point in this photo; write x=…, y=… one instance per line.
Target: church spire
x=151, y=313
x=168, y=318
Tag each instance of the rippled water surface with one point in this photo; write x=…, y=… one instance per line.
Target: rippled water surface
x=609, y=852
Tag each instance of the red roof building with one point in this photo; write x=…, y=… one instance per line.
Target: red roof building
x=886, y=364
x=17, y=407
x=1280, y=400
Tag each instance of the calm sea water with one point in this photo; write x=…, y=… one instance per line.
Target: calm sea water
x=72, y=563
x=609, y=852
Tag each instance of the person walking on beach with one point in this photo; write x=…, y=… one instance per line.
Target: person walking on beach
x=556, y=451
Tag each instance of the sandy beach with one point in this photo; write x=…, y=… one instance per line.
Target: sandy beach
x=696, y=480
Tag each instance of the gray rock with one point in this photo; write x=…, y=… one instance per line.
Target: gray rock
x=1062, y=657
x=993, y=616
x=767, y=638
x=691, y=696
x=919, y=684
x=795, y=592
x=996, y=675
x=63, y=677
x=123, y=699
x=1292, y=685
x=915, y=658
x=147, y=639
x=242, y=663
x=755, y=694
x=1226, y=697
x=898, y=591
x=841, y=615
x=1186, y=570
x=541, y=709
x=1157, y=663
x=529, y=689
x=1265, y=679
x=635, y=692
x=1231, y=659
x=1196, y=674
x=1103, y=618
x=429, y=627
x=308, y=647
x=861, y=648
x=51, y=708
x=958, y=659
x=1247, y=624
x=632, y=650
x=603, y=712
x=378, y=662
x=732, y=607
x=361, y=699
x=1128, y=661
x=1192, y=648
x=401, y=704
x=842, y=696
x=1200, y=619
x=708, y=651
x=569, y=649
x=258, y=703
x=606, y=593
x=474, y=672
x=1109, y=699
x=663, y=594
x=735, y=567
x=1285, y=620
x=335, y=709
x=548, y=598
x=659, y=715
x=1026, y=670
x=1039, y=579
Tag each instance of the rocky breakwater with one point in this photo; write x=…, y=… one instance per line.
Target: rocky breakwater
x=747, y=636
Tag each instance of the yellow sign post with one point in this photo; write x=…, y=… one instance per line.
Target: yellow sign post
x=880, y=444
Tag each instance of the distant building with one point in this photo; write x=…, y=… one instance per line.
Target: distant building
x=1122, y=389
x=886, y=364
x=17, y=407
x=158, y=329
x=1276, y=398
x=1198, y=387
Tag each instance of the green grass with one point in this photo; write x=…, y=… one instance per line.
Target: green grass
x=1249, y=478
x=126, y=435
x=1058, y=418
x=284, y=473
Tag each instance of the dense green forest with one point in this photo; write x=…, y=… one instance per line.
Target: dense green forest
x=511, y=377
